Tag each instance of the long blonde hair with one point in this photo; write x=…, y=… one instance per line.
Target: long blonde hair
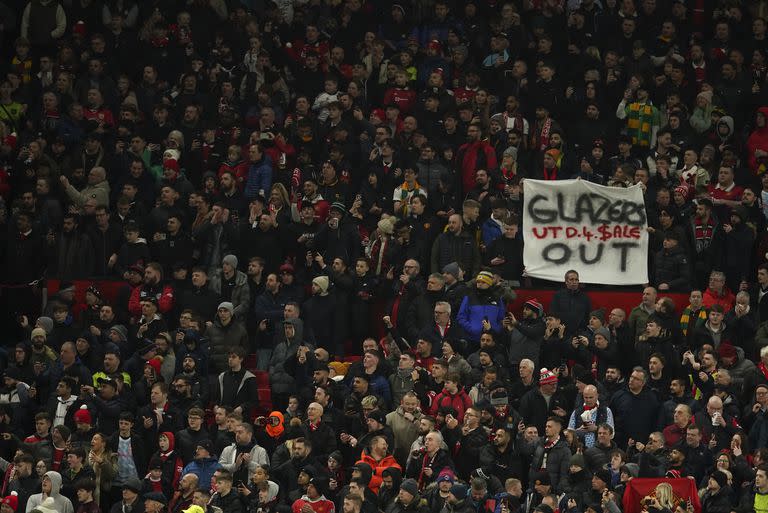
x=665, y=495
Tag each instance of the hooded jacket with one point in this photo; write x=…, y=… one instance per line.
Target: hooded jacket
x=281, y=381
x=63, y=505
x=172, y=464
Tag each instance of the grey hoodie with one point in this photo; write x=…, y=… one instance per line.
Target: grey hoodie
x=281, y=381
x=63, y=505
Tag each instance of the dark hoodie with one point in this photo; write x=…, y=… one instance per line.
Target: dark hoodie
x=388, y=495
x=282, y=382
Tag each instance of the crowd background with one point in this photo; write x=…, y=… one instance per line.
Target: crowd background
x=312, y=209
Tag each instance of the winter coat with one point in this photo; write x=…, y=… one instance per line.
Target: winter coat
x=478, y=305
x=635, y=415
x=459, y=402
x=241, y=292
x=572, y=307
x=524, y=341
x=203, y=468
x=558, y=461
x=99, y=192
x=461, y=248
x=280, y=380
x=673, y=268
x=221, y=338
x=259, y=178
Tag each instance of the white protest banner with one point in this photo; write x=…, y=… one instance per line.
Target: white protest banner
x=596, y=230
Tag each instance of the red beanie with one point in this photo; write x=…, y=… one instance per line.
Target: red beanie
x=155, y=363
x=83, y=416
x=12, y=501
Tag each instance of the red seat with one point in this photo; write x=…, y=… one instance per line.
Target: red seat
x=262, y=378
x=352, y=358
x=265, y=400
x=250, y=362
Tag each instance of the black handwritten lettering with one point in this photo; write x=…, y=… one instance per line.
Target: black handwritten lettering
x=587, y=208
x=624, y=247
x=554, y=247
x=589, y=261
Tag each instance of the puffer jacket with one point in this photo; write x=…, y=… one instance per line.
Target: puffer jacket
x=241, y=292
x=478, y=305
x=221, y=338
x=281, y=381
x=461, y=248
x=558, y=461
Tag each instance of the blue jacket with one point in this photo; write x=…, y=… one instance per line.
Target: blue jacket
x=259, y=178
x=203, y=469
x=478, y=305
x=491, y=231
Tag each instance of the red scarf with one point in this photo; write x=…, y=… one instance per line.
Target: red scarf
x=550, y=174
x=763, y=369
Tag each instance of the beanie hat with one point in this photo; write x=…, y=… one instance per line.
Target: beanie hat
x=554, y=153
x=682, y=190
x=120, y=330
x=339, y=206
x=578, y=460
x=387, y=225
x=38, y=332
x=322, y=284
x=510, y=152
x=156, y=363
x=633, y=469
x=337, y=457
x=499, y=397
x=446, y=475
x=171, y=164
x=598, y=314
x=604, y=332
x=83, y=416
x=485, y=277
x=230, y=260
x=727, y=350
x=226, y=305
x=46, y=323
x=459, y=491
x=11, y=501
x=535, y=305
x=720, y=477
x=452, y=269
x=410, y=486
x=603, y=475
x=547, y=377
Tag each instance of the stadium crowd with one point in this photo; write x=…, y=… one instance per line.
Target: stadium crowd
x=313, y=209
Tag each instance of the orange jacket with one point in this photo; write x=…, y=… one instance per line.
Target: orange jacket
x=378, y=467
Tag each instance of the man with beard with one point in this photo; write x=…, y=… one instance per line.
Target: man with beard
x=71, y=252
x=152, y=286
x=181, y=396
x=189, y=372
x=614, y=381
x=313, y=200
x=424, y=426
x=301, y=457
x=182, y=498
x=244, y=455
x=405, y=422
x=229, y=194
x=502, y=457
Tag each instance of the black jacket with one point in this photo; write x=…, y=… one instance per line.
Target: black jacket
x=673, y=267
